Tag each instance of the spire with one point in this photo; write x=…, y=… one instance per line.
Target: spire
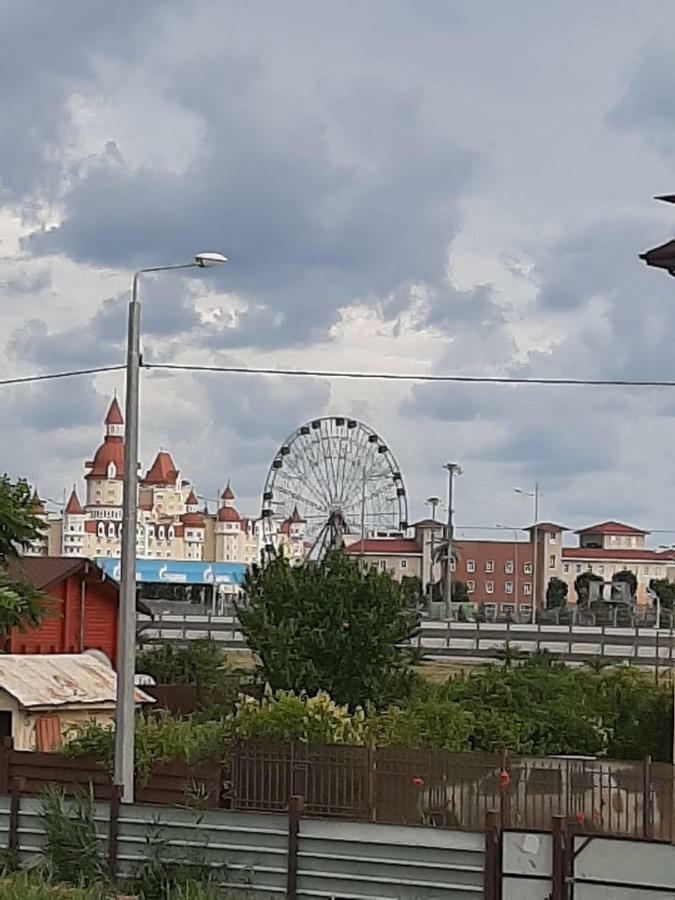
x=74, y=507
x=227, y=494
x=114, y=423
x=114, y=416
x=36, y=505
x=192, y=499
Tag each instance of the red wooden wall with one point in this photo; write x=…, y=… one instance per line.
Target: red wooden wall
x=60, y=633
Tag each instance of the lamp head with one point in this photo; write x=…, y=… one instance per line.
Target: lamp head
x=208, y=259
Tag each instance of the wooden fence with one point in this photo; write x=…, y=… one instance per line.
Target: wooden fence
x=387, y=785
x=169, y=784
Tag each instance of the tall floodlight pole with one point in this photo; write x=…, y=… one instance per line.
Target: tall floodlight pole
x=452, y=469
x=126, y=629
x=535, y=536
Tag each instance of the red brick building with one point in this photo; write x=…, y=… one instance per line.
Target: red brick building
x=84, y=611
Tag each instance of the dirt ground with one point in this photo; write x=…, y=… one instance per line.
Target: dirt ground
x=437, y=672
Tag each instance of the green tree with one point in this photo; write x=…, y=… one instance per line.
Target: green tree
x=21, y=605
x=460, y=593
x=665, y=591
x=582, y=585
x=625, y=576
x=556, y=593
x=330, y=627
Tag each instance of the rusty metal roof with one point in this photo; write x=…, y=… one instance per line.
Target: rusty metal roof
x=59, y=679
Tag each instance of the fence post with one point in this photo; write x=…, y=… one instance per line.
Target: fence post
x=17, y=785
x=559, y=862
x=492, y=887
x=371, y=776
x=5, y=753
x=113, y=830
x=504, y=787
x=648, y=799
x=295, y=805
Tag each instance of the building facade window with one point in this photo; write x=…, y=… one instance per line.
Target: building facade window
x=527, y=568
x=470, y=565
x=489, y=587
x=404, y=564
x=566, y=568
x=470, y=587
x=508, y=587
x=577, y=568
x=551, y=561
x=508, y=567
x=527, y=589
x=489, y=565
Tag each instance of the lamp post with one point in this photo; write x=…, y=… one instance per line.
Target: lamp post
x=452, y=469
x=433, y=503
x=535, y=568
x=126, y=631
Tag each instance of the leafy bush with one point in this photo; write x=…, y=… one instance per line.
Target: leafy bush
x=285, y=716
x=427, y=721
x=201, y=663
x=159, y=738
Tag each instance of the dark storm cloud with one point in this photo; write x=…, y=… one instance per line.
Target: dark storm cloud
x=51, y=406
x=306, y=232
x=46, y=55
x=61, y=350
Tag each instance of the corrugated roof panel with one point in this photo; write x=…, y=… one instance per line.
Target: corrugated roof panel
x=59, y=679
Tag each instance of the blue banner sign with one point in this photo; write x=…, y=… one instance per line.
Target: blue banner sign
x=178, y=571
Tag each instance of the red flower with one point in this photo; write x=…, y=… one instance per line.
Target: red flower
x=418, y=782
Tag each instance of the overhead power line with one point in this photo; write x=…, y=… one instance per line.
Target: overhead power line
x=357, y=376
x=52, y=376
x=396, y=376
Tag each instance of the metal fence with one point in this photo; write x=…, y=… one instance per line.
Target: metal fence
x=468, y=641
x=456, y=790
x=260, y=856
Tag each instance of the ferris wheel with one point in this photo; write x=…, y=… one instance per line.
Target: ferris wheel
x=339, y=477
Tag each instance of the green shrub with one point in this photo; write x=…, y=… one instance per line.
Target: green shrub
x=286, y=716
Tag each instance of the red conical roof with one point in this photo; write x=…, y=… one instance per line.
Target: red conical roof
x=74, y=507
x=36, y=505
x=162, y=471
x=192, y=499
x=114, y=416
x=227, y=493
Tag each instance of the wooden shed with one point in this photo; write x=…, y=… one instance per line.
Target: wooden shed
x=84, y=609
x=41, y=697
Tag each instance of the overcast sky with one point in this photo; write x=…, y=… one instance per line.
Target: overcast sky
x=432, y=186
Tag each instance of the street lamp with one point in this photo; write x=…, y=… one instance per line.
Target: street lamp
x=452, y=469
x=433, y=503
x=535, y=569
x=126, y=631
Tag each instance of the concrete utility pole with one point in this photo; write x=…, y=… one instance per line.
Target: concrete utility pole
x=452, y=469
x=535, y=555
x=433, y=503
x=125, y=707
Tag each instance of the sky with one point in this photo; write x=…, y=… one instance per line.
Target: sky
x=426, y=187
